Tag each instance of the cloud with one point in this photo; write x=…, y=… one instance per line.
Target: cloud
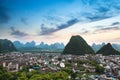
x=116, y=40
x=115, y=23
x=95, y=10
x=99, y=26
x=110, y=28
x=96, y=16
x=103, y=9
x=117, y=7
x=106, y=29
x=17, y=32
x=85, y=32
x=4, y=13
x=24, y=21
x=47, y=31
x=92, y=10
x=68, y=24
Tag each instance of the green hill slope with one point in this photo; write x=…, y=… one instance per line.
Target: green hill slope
x=6, y=46
x=77, y=45
x=108, y=50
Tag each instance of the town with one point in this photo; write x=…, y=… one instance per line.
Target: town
x=94, y=66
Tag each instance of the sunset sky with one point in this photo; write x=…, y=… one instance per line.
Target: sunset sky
x=52, y=21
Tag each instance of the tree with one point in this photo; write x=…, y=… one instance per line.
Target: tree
x=47, y=77
x=36, y=77
x=24, y=69
x=22, y=76
x=99, y=69
x=67, y=70
x=59, y=59
x=14, y=75
x=74, y=75
x=4, y=75
x=60, y=75
x=32, y=73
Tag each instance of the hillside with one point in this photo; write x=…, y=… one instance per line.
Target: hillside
x=77, y=45
x=107, y=50
x=6, y=46
x=96, y=47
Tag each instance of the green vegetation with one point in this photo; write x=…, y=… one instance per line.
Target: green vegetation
x=77, y=45
x=6, y=46
x=108, y=50
x=24, y=74
x=4, y=75
x=99, y=69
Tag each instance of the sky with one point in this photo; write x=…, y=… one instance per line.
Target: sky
x=52, y=21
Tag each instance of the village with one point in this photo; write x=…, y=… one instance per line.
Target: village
x=97, y=67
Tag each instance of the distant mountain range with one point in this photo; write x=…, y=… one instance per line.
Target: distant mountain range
x=96, y=47
x=6, y=46
x=76, y=44
x=41, y=46
x=56, y=46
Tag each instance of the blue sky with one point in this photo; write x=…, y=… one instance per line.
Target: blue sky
x=57, y=20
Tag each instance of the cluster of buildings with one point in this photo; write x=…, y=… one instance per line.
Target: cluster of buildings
x=45, y=62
